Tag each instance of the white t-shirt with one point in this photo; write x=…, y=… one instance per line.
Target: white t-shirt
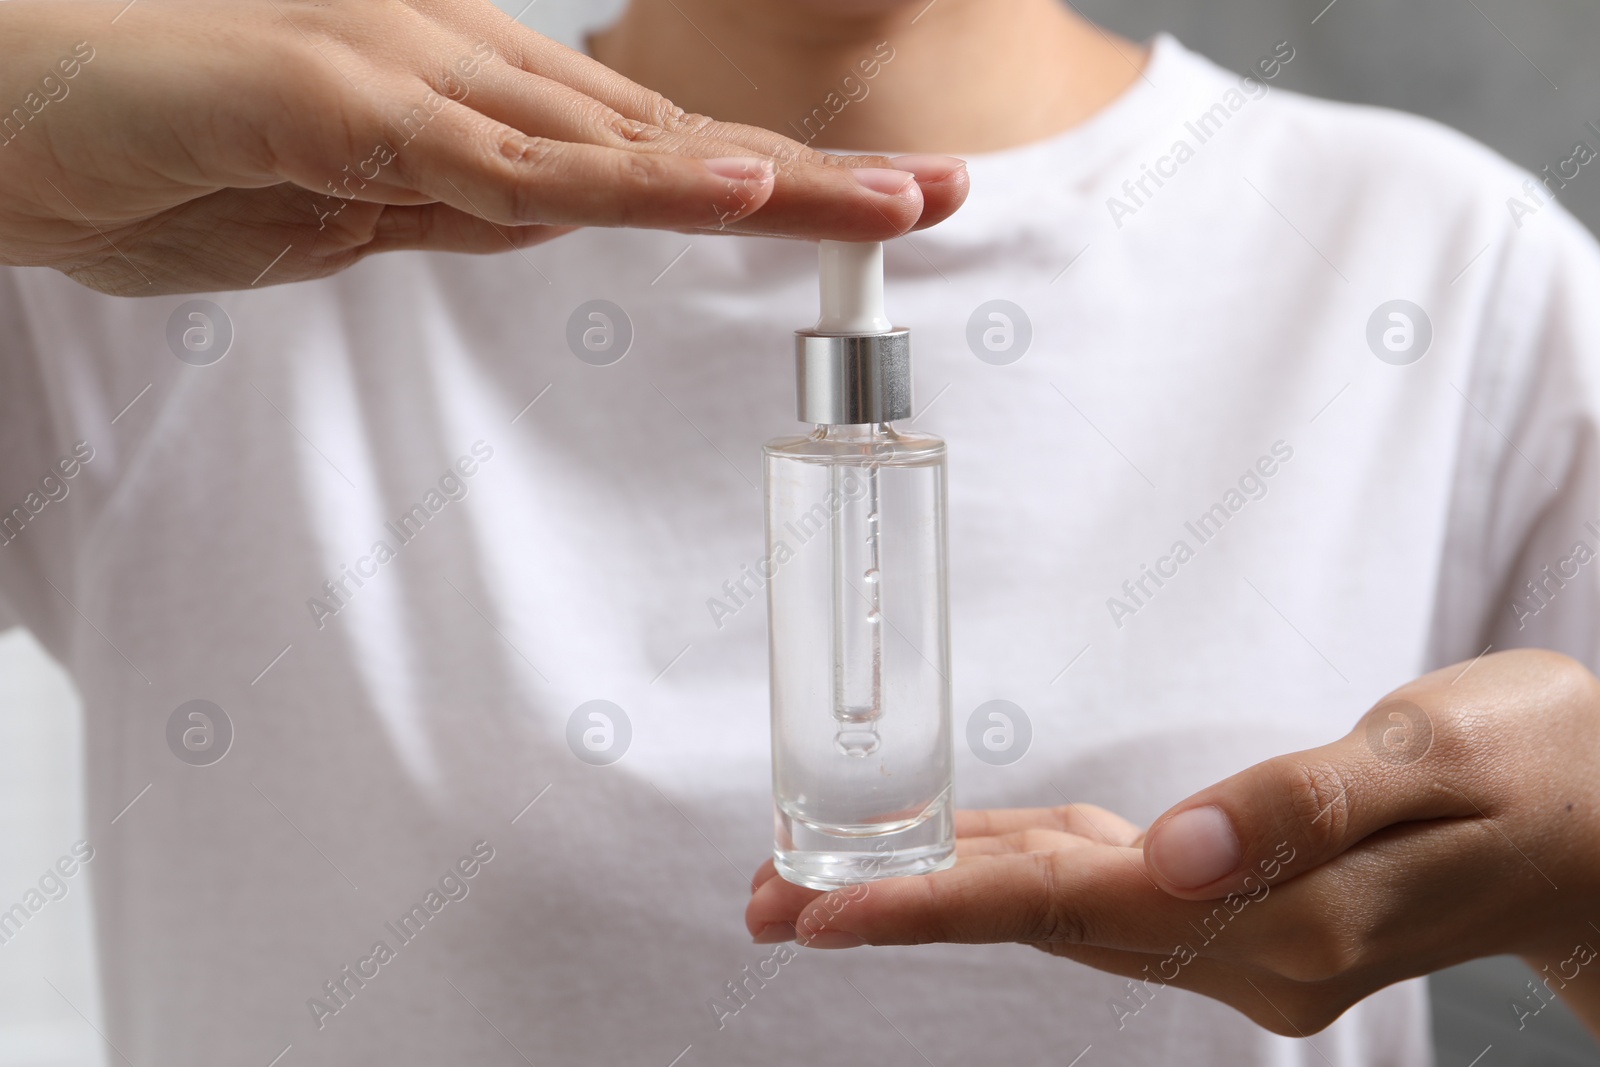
x=1198, y=370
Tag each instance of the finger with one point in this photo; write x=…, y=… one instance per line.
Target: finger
x=1082, y=820
x=450, y=153
x=534, y=52
x=942, y=180
x=777, y=902
x=1090, y=895
x=1032, y=840
x=834, y=203
x=495, y=172
x=764, y=874
x=1284, y=817
x=815, y=195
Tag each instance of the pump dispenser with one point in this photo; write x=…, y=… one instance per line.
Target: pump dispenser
x=861, y=738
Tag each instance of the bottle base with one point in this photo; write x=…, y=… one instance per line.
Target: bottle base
x=812, y=856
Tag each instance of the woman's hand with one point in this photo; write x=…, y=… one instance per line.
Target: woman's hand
x=166, y=145
x=1460, y=818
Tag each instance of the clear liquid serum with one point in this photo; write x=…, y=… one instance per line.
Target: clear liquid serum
x=862, y=748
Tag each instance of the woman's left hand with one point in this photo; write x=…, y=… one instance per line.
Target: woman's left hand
x=1459, y=819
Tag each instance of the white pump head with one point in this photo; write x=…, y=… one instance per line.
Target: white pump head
x=852, y=289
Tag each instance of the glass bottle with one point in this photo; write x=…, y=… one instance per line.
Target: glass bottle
x=862, y=751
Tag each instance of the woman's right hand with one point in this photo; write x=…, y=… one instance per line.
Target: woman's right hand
x=165, y=146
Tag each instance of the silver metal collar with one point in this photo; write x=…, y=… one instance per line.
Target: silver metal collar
x=845, y=380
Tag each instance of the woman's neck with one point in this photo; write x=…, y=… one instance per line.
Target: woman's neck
x=951, y=76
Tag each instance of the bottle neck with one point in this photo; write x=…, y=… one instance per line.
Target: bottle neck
x=854, y=432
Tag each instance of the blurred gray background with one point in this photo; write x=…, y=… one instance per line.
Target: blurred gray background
x=1519, y=76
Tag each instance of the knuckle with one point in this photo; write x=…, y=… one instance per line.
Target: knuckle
x=645, y=169
x=934, y=926
x=673, y=119
x=1317, y=960
x=346, y=27
x=1319, y=796
x=1315, y=952
x=1569, y=678
x=529, y=152
x=626, y=131
x=875, y=162
x=1064, y=815
x=534, y=157
x=1053, y=921
x=308, y=73
x=1400, y=731
x=642, y=176
x=1038, y=839
x=787, y=155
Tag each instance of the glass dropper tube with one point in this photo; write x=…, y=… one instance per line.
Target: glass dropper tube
x=858, y=614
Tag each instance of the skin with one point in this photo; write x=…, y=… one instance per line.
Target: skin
x=1460, y=818
x=966, y=76
x=176, y=145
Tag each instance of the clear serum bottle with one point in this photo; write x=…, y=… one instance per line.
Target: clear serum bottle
x=862, y=748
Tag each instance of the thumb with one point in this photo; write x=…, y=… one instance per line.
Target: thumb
x=1292, y=813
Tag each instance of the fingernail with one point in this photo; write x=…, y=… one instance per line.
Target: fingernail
x=887, y=182
x=1194, y=848
x=832, y=939
x=772, y=933
x=928, y=168
x=740, y=168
